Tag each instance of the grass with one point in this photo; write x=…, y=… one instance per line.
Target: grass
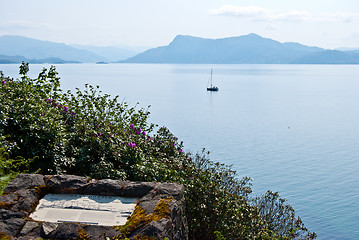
x=4, y=181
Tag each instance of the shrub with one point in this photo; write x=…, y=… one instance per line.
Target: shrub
x=280, y=218
x=30, y=127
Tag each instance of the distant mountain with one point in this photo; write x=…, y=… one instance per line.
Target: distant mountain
x=18, y=59
x=111, y=54
x=248, y=49
x=330, y=57
x=53, y=60
x=37, y=49
x=11, y=59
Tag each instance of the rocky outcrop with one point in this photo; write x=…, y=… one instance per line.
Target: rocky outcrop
x=160, y=212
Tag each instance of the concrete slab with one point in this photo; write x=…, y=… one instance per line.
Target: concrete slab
x=86, y=209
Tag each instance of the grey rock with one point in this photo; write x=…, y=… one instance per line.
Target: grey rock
x=173, y=227
x=29, y=199
x=171, y=189
x=137, y=189
x=47, y=228
x=9, y=200
x=64, y=231
x=66, y=183
x=20, y=200
x=157, y=229
x=106, y=187
x=100, y=232
x=28, y=227
x=8, y=214
x=119, y=188
x=23, y=181
x=148, y=206
x=11, y=226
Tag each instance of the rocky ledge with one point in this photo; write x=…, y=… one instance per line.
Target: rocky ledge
x=159, y=214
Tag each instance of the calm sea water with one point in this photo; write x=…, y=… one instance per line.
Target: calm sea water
x=292, y=128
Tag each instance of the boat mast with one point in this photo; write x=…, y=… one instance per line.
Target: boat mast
x=211, y=76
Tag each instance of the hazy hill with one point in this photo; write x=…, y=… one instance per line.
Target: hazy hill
x=250, y=48
x=111, y=54
x=18, y=59
x=330, y=56
x=37, y=49
x=11, y=59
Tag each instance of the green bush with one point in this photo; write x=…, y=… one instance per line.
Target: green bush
x=29, y=126
x=92, y=134
x=280, y=218
x=9, y=168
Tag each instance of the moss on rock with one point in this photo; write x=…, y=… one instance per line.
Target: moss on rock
x=139, y=218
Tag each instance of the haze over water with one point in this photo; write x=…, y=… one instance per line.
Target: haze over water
x=292, y=128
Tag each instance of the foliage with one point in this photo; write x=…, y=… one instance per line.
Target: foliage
x=4, y=181
x=9, y=168
x=92, y=134
x=214, y=200
x=29, y=126
x=280, y=217
x=81, y=137
x=219, y=236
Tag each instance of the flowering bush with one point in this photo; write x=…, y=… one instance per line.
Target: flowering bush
x=91, y=134
x=29, y=126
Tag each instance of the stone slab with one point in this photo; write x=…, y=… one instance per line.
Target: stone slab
x=85, y=209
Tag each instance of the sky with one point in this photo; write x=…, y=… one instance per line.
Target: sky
x=152, y=23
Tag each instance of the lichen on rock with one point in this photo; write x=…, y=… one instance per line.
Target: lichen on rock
x=139, y=218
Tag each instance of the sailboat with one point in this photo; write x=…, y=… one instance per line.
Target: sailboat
x=212, y=88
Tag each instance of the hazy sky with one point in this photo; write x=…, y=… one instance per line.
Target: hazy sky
x=151, y=23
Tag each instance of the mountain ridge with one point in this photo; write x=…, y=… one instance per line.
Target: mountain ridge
x=13, y=45
x=246, y=49
x=4, y=59
x=41, y=50
x=186, y=49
